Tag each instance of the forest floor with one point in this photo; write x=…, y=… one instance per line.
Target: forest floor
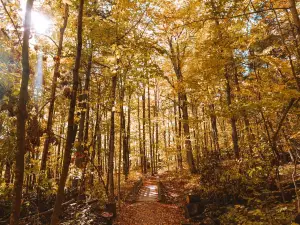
x=148, y=211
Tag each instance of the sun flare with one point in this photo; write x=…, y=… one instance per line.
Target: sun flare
x=39, y=22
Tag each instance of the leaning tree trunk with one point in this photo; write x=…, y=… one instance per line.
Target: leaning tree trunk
x=72, y=129
x=53, y=90
x=295, y=16
x=21, y=120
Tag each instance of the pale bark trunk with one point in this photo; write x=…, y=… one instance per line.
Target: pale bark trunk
x=21, y=120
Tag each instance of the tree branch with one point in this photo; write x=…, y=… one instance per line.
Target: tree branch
x=12, y=21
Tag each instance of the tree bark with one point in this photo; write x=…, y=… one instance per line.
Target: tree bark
x=150, y=133
x=186, y=130
x=81, y=157
x=126, y=143
x=234, y=134
x=21, y=120
x=156, y=127
x=53, y=90
x=72, y=128
x=7, y=172
x=111, y=194
x=178, y=135
x=182, y=96
x=140, y=136
x=214, y=129
x=295, y=16
x=144, y=131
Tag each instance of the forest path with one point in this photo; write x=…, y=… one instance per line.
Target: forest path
x=148, y=211
x=149, y=191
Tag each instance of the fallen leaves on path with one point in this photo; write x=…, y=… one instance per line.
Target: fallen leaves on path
x=150, y=213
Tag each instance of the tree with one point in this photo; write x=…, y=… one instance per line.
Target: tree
x=21, y=119
x=72, y=128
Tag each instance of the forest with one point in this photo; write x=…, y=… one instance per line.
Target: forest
x=148, y=112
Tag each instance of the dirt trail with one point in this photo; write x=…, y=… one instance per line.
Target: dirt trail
x=148, y=211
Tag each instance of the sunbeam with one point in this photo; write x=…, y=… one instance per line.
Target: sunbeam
x=38, y=84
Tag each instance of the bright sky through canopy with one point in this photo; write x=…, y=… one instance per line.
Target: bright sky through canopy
x=40, y=22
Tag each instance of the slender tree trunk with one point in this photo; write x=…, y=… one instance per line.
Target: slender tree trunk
x=121, y=146
x=144, y=131
x=165, y=138
x=234, y=133
x=122, y=140
x=21, y=120
x=72, y=128
x=111, y=194
x=150, y=133
x=205, y=139
x=197, y=137
x=126, y=143
x=99, y=141
x=7, y=172
x=156, y=127
x=53, y=90
x=214, y=128
x=140, y=136
x=178, y=138
x=94, y=145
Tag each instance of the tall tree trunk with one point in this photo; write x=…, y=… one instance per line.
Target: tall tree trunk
x=234, y=134
x=140, y=136
x=150, y=133
x=7, y=172
x=94, y=144
x=122, y=140
x=144, y=130
x=182, y=96
x=178, y=136
x=126, y=143
x=53, y=90
x=81, y=157
x=214, y=129
x=197, y=136
x=249, y=134
x=156, y=127
x=21, y=120
x=186, y=130
x=72, y=128
x=205, y=139
x=111, y=194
